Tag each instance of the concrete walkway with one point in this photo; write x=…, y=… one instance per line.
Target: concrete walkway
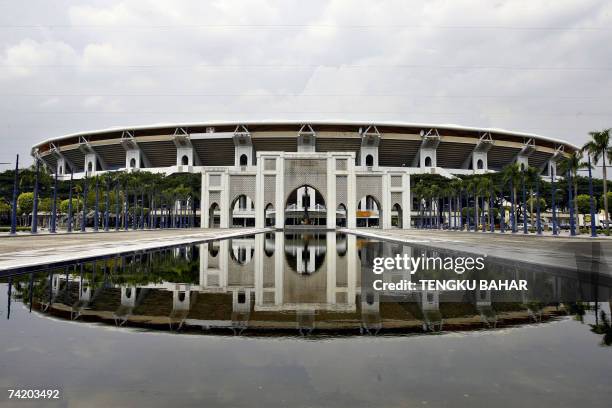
x=549, y=251
x=21, y=252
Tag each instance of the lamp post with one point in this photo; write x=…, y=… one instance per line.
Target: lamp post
x=592, y=203
x=84, y=217
x=97, y=207
x=35, y=202
x=491, y=214
x=117, y=218
x=524, y=202
x=502, y=212
x=70, y=202
x=107, y=206
x=142, y=219
x=126, y=208
x=54, y=207
x=14, y=203
x=512, y=214
x=538, y=220
x=571, y=204
x=554, y=206
x=591, y=199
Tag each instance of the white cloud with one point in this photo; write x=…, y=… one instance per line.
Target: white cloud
x=507, y=64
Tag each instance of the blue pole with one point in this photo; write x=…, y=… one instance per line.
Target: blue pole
x=117, y=217
x=460, y=210
x=142, y=220
x=554, y=205
x=512, y=214
x=107, y=206
x=84, y=217
x=571, y=203
x=97, y=208
x=592, y=203
x=35, y=203
x=491, y=212
x=126, y=208
x=538, y=211
x=502, y=211
x=524, y=202
x=70, y=203
x=54, y=206
x=135, y=218
x=483, y=217
x=14, y=203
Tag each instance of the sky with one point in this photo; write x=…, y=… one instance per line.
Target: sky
x=540, y=66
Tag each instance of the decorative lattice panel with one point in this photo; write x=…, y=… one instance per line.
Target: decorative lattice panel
x=270, y=164
x=270, y=190
x=369, y=185
x=341, y=191
x=242, y=185
x=299, y=172
x=214, y=197
x=341, y=164
x=396, y=181
x=215, y=180
x=396, y=198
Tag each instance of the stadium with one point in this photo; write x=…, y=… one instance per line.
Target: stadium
x=281, y=174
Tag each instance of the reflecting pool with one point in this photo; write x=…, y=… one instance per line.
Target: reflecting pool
x=292, y=319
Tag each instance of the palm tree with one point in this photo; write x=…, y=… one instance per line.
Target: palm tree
x=435, y=191
x=599, y=148
x=417, y=192
x=455, y=187
x=484, y=186
x=573, y=163
x=470, y=186
x=512, y=174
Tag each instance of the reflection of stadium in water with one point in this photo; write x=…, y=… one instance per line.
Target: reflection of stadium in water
x=284, y=281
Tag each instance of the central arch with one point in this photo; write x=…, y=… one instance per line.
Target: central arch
x=242, y=211
x=305, y=206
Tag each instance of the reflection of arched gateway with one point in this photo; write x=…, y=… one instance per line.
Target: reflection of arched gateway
x=306, y=187
x=305, y=207
x=369, y=212
x=305, y=253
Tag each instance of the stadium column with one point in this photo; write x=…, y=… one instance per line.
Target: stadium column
x=386, y=200
x=260, y=211
x=331, y=191
x=279, y=219
x=351, y=191
x=204, y=202
x=406, y=202
x=225, y=201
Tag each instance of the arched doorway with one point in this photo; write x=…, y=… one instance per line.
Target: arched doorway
x=369, y=160
x=341, y=216
x=214, y=216
x=185, y=160
x=305, y=206
x=396, y=216
x=243, y=212
x=369, y=212
x=270, y=215
x=244, y=160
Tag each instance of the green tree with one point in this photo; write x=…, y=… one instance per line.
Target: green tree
x=599, y=149
x=583, y=206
